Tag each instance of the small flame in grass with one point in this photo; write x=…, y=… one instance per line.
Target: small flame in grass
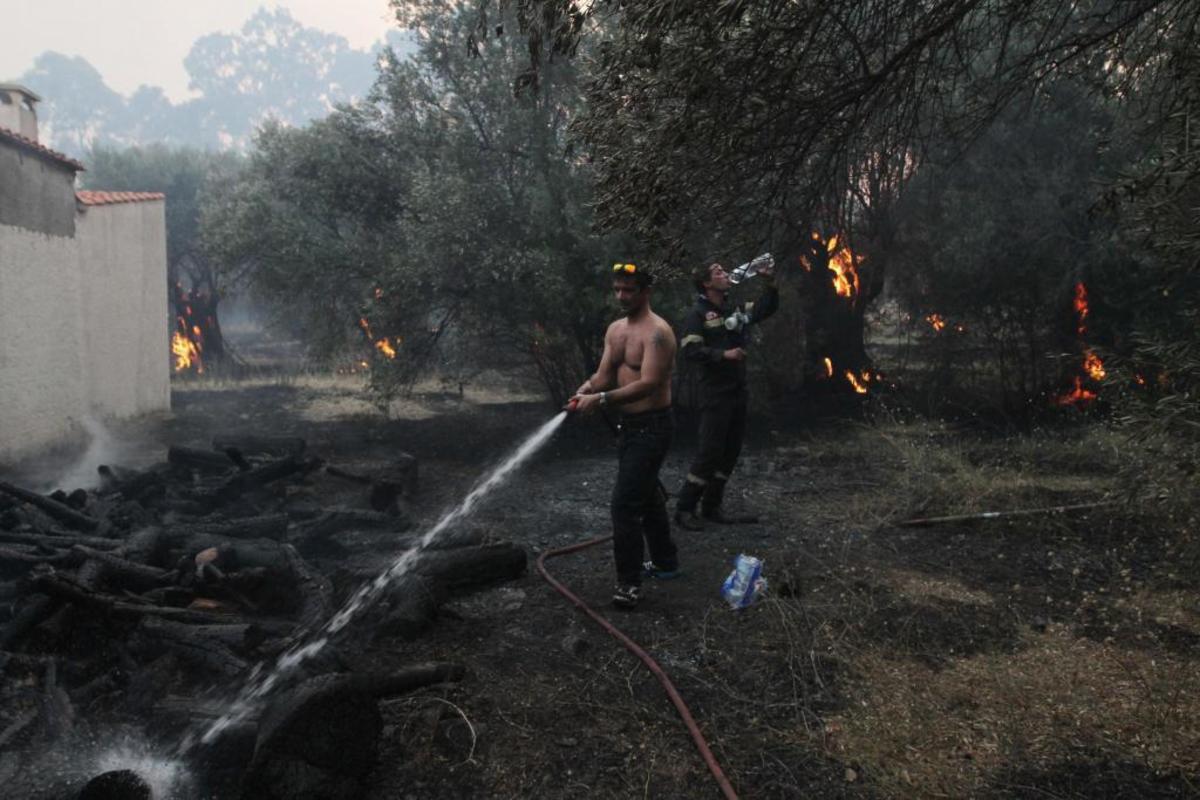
x=859, y=382
x=384, y=345
x=1077, y=395
x=1093, y=366
x=937, y=321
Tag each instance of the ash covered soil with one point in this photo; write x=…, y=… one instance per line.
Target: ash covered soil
x=1050, y=656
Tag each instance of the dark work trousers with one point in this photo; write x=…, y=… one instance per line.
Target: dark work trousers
x=639, y=507
x=722, y=428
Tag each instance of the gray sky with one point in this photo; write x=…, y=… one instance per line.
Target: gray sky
x=135, y=42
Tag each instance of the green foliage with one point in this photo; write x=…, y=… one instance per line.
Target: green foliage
x=446, y=214
x=183, y=174
x=765, y=121
x=1158, y=205
x=186, y=176
x=994, y=240
x=773, y=112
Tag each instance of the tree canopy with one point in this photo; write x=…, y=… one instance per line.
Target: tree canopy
x=440, y=208
x=775, y=111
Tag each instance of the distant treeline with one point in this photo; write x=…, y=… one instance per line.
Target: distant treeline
x=273, y=68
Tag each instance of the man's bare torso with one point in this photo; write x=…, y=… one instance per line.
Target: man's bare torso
x=629, y=340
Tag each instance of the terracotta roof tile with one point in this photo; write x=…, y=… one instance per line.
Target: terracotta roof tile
x=108, y=198
x=41, y=150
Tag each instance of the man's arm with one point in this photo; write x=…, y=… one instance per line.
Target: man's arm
x=657, y=358
x=767, y=304
x=693, y=345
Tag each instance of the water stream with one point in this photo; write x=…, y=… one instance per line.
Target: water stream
x=262, y=681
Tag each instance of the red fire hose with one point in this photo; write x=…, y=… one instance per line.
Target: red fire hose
x=651, y=664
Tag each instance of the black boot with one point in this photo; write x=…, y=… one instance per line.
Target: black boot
x=685, y=508
x=714, y=495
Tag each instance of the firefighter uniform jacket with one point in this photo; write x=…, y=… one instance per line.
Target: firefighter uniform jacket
x=709, y=330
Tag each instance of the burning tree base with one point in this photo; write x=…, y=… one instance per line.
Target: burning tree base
x=197, y=341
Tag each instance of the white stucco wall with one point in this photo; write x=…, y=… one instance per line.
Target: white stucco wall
x=123, y=275
x=41, y=340
x=83, y=325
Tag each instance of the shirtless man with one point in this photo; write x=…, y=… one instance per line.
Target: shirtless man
x=639, y=351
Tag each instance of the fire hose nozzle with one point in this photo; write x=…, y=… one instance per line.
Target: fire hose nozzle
x=572, y=404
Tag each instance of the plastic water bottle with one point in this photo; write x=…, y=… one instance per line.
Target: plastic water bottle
x=746, y=583
x=751, y=268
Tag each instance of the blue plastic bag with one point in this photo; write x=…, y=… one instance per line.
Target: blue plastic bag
x=746, y=583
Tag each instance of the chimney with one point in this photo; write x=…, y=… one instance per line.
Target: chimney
x=17, y=111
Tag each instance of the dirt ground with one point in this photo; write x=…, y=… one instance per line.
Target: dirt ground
x=1037, y=656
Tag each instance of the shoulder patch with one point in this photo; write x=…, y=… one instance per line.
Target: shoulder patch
x=711, y=315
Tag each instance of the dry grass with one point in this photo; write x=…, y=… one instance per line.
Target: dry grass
x=919, y=587
x=922, y=732
x=1173, y=607
x=888, y=473
x=326, y=396
x=976, y=655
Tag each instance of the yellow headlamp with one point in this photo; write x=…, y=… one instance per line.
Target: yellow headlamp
x=628, y=269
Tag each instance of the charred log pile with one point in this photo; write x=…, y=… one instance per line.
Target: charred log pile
x=151, y=599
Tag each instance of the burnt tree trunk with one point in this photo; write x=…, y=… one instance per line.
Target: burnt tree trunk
x=837, y=292
x=196, y=320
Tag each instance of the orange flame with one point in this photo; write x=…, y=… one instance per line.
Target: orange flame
x=383, y=345
x=937, y=321
x=860, y=385
x=1076, y=395
x=842, y=264
x=1081, y=307
x=1093, y=366
x=186, y=352
x=828, y=367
